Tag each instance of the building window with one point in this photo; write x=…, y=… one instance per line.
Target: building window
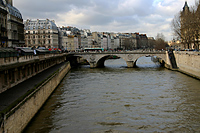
x=49, y=27
x=44, y=36
x=33, y=32
x=43, y=27
x=33, y=27
x=43, y=32
x=49, y=41
x=33, y=36
x=38, y=27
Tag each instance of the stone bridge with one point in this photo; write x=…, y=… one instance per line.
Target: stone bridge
x=97, y=59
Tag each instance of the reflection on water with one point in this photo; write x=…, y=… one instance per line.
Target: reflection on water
x=120, y=99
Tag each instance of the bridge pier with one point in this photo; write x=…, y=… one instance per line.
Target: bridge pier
x=130, y=64
x=93, y=64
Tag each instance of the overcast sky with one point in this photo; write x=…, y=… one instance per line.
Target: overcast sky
x=144, y=16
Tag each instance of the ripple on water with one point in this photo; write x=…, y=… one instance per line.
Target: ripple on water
x=118, y=99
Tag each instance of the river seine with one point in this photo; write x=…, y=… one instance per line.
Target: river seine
x=116, y=99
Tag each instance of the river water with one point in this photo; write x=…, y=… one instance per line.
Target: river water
x=116, y=99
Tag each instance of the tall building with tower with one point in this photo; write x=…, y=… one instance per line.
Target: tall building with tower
x=190, y=22
x=186, y=8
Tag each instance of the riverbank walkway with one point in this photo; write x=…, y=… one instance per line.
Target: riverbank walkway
x=13, y=94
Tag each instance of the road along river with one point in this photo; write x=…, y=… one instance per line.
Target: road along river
x=120, y=99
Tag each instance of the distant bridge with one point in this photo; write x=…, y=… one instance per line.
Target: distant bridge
x=97, y=59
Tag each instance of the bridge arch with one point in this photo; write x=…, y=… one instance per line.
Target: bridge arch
x=102, y=59
x=98, y=59
x=161, y=58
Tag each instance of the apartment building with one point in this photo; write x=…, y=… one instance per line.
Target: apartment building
x=42, y=33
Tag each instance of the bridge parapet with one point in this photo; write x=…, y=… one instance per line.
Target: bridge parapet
x=122, y=52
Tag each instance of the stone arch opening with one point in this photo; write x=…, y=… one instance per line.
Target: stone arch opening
x=101, y=61
x=76, y=60
x=153, y=58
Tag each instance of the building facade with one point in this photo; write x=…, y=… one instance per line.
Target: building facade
x=41, y=33
x=15, y=26
x=151, y=42
x=3, y=25
x=11, y=25
x=143, y=41
x=128, y=41
x=97, y=39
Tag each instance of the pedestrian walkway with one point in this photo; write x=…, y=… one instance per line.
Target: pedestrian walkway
x=11, y=95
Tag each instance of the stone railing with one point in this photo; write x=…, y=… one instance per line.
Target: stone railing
x=27, y=58
x=187, y=52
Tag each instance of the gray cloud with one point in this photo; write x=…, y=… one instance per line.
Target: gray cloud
x=145, y=16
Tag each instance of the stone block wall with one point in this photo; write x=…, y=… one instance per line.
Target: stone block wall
x=188, y=62
x=15, y=121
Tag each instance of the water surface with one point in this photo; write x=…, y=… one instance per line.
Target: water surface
x=120, y=99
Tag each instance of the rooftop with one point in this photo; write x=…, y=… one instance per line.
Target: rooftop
x=40, y=24
x=14, y=11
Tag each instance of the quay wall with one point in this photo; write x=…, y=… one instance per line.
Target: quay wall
x=167, y=64
x=188, y=62
x=18, y=118
x=14, y=70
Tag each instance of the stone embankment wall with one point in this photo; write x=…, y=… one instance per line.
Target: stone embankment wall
x=188, y=62
x=18, y=118
x=14, y=70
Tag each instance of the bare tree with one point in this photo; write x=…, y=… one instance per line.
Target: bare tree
x=128, y=44
x=176, y=25
x=182, y=28
x=160, y=43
